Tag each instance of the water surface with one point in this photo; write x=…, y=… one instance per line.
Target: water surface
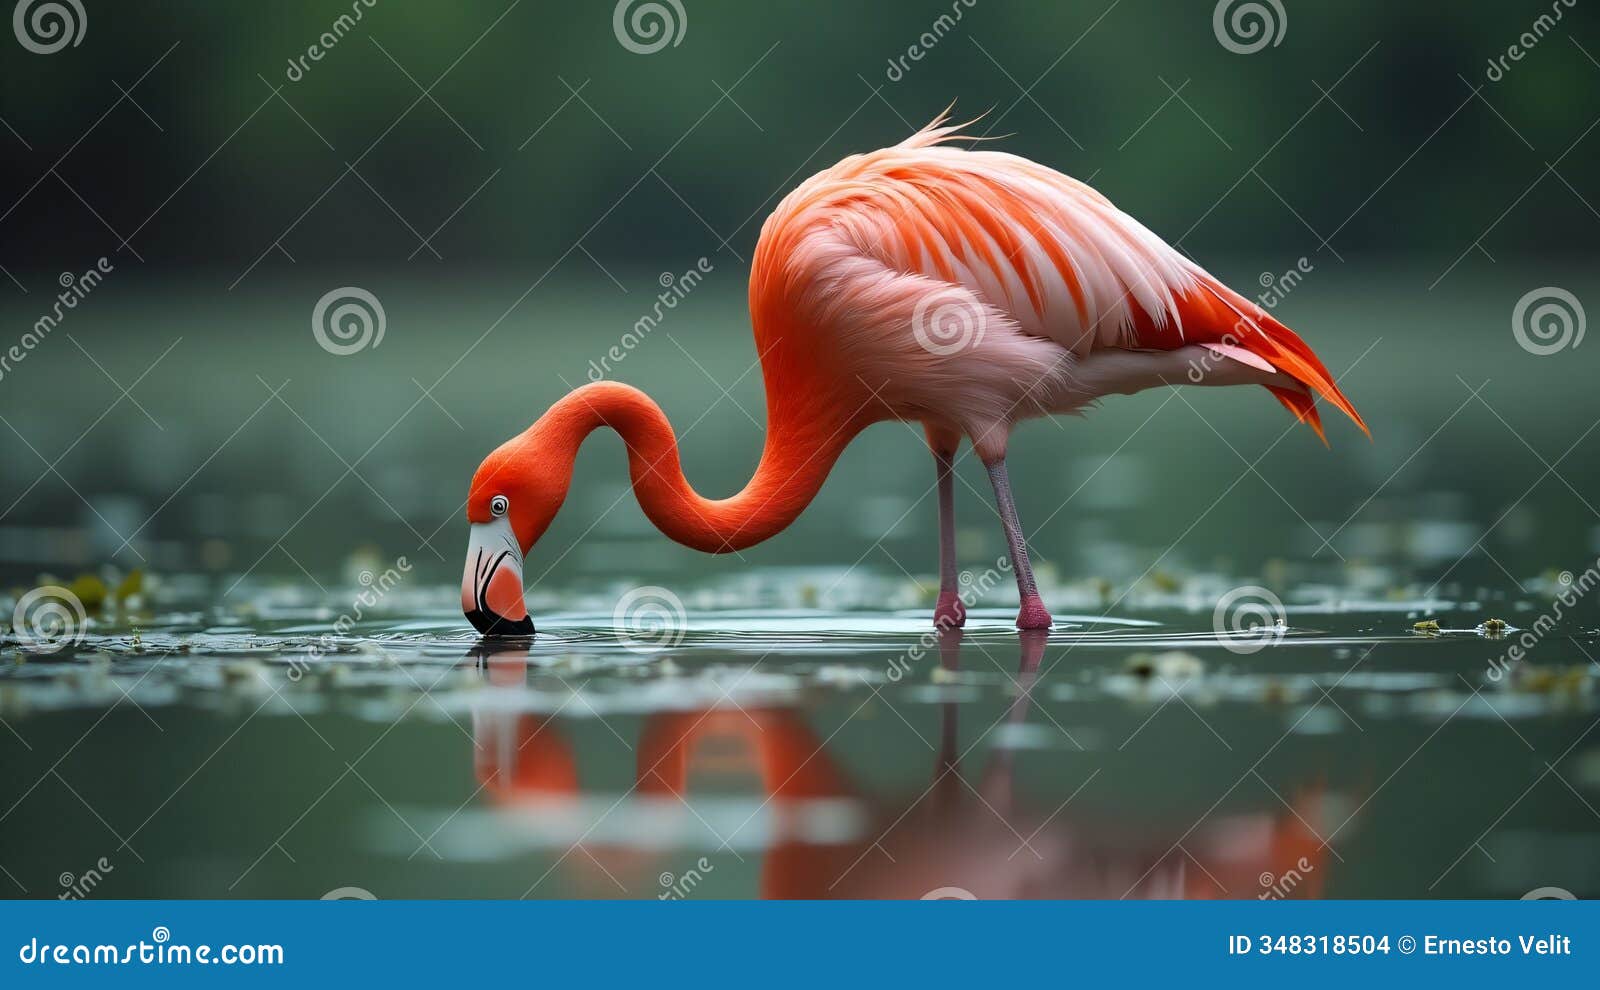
x=749, y=749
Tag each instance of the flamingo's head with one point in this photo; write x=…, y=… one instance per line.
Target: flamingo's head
x=515, y=493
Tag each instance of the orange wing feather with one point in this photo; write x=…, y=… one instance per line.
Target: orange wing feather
x=1048, y=250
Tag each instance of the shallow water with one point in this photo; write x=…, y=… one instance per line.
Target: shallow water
x=758, y=746
x=245, y=733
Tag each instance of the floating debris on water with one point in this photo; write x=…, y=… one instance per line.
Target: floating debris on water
x=1101, y=588
x=1488, y=628
x=1165, y=581
x=1570, y=681
x=243, y=673
x=1148, y=648
x=1172, y=666
x=89, y=590
x=1274, y=692
x=131, y=586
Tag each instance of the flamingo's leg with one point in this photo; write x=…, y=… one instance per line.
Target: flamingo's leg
x=950, y=612
x=1032, y=615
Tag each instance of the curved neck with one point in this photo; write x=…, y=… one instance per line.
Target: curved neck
x=801, y=448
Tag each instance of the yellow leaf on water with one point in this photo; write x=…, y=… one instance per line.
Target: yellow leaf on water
x=1163, y=581
x=90, y=590
x=131, y=585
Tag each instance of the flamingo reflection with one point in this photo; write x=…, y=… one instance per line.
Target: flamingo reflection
x=957, y=833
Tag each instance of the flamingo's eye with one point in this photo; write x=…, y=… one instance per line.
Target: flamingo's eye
x=498, y=505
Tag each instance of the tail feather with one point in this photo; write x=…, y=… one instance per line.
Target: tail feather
x=1254, y=329
x=1304, y=408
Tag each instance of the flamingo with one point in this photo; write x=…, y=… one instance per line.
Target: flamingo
x=968, y=290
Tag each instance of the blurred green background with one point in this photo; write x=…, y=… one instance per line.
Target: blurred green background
x=511, y=182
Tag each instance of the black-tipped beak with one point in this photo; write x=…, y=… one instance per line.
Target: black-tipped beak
x=491, y=584
x=489, y=624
